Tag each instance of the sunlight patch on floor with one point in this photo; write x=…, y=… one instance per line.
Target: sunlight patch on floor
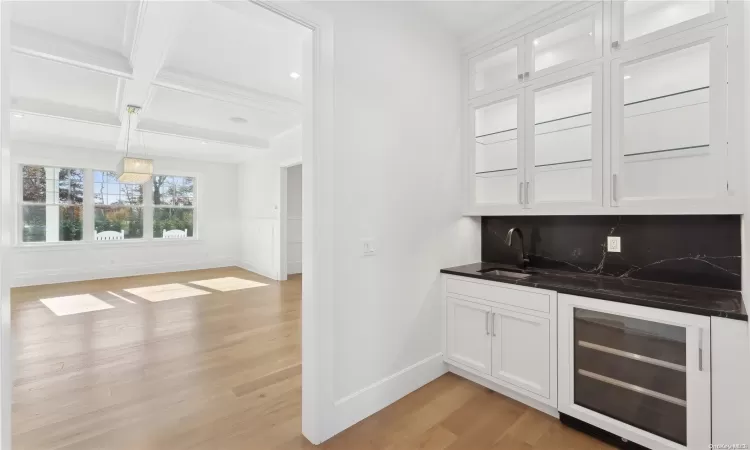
x=74, y=304
x=163, y=292
x=228, y=284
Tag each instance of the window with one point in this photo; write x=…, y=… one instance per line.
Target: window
x=118, y=208
x=174, y=203
x=51, y=204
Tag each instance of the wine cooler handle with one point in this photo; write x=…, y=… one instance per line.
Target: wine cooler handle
x=700, y=349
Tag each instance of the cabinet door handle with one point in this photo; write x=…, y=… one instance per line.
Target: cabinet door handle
x=614, y=186
x=616, y=45
x=526, y=193
x=700, y=350
x=487, y=322
x=526, y=75
x=520, y=193
x=492, y=321
x=520, y=77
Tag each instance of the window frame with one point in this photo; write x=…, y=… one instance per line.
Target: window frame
x=93, y=206
x=88, y=211
x=20, y=204
x=152, y=206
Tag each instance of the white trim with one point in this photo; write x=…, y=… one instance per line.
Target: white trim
x=250, y=268
x=358, y=405
x=41, y=277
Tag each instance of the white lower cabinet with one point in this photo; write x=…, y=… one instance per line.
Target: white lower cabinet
x=520, y=350
x=505, y=334
x=468, y=334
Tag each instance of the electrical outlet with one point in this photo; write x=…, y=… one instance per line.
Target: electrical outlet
x=613, y=244
x=368, y=247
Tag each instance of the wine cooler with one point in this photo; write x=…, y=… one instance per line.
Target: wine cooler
x=640, y=373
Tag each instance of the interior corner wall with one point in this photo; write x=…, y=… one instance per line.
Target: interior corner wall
x=217, y=218
x=397, y=181
x=260, y=201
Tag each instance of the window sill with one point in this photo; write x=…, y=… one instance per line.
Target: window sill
x=71, y=245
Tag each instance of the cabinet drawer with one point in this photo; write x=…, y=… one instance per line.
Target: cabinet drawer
x=514, y=297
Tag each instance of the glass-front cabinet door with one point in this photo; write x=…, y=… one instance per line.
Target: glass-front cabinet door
x=565, y=43
x=636, y=22
x=498, y=148
x=669, y=139
x=564, y=144
x=646, y=372
x=498, y=68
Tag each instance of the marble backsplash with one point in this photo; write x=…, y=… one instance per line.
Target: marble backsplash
x=694, y=250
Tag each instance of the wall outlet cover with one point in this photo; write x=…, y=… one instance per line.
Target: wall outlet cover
x=613, y=244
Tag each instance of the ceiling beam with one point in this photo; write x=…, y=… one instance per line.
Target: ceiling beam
x=201, y=134
x=45, y=108
x=184, y=81
x=40, y=44
x=156, y=26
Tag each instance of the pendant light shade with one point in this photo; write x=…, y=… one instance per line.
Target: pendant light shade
x=134, y=170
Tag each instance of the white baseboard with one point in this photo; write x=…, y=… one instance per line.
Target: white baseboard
x=536, y=404
x=36, y=278
x=371, y=399
x=294, y=267
x=250, y=268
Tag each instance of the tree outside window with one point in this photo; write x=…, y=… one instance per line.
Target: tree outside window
x=51, y=204
x=117, y=206
x=174, y=203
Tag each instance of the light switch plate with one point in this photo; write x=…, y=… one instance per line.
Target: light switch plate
x=613, y=244
x=368, y=247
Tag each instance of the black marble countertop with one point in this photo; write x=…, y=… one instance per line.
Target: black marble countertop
x=675, y=297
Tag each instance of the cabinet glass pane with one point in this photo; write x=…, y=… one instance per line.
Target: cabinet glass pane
x=563, y=142
x=665, y=138
x=632, y=370
x=643, y=17
x=496, y=144
x=496, y=70
x=572, y=42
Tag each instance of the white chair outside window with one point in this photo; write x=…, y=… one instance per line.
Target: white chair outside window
x=174, y=234
x=109, y=235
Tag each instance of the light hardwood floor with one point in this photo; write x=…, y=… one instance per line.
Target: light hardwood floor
x=219, y=371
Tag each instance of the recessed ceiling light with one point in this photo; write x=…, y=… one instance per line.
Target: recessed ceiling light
x=626, y=77
x=19, y=115
x=536, y=41
x=238, y=119
x=294, y=75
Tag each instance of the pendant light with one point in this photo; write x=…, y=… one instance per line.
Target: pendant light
x=134, y=170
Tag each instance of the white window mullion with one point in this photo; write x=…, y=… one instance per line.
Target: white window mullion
x=148, y=209
x=88, y=205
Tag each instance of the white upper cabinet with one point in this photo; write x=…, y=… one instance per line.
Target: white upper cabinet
x=497, y=157
x=565, y=43
x=564, y=139
x=669, y=139
x=498, y=68
x=635, y=22
x=621, y=107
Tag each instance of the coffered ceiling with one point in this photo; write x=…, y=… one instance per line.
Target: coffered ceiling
x=212, y=78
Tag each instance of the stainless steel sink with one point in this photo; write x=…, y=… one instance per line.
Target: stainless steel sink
x=510, y=272
x=505, y=273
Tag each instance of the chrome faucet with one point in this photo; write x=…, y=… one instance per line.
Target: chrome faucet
x=521, y=259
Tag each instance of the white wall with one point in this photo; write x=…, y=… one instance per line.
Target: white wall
x=395, y=174
x=217, y=225
x=259, y=198
x=294, y=219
